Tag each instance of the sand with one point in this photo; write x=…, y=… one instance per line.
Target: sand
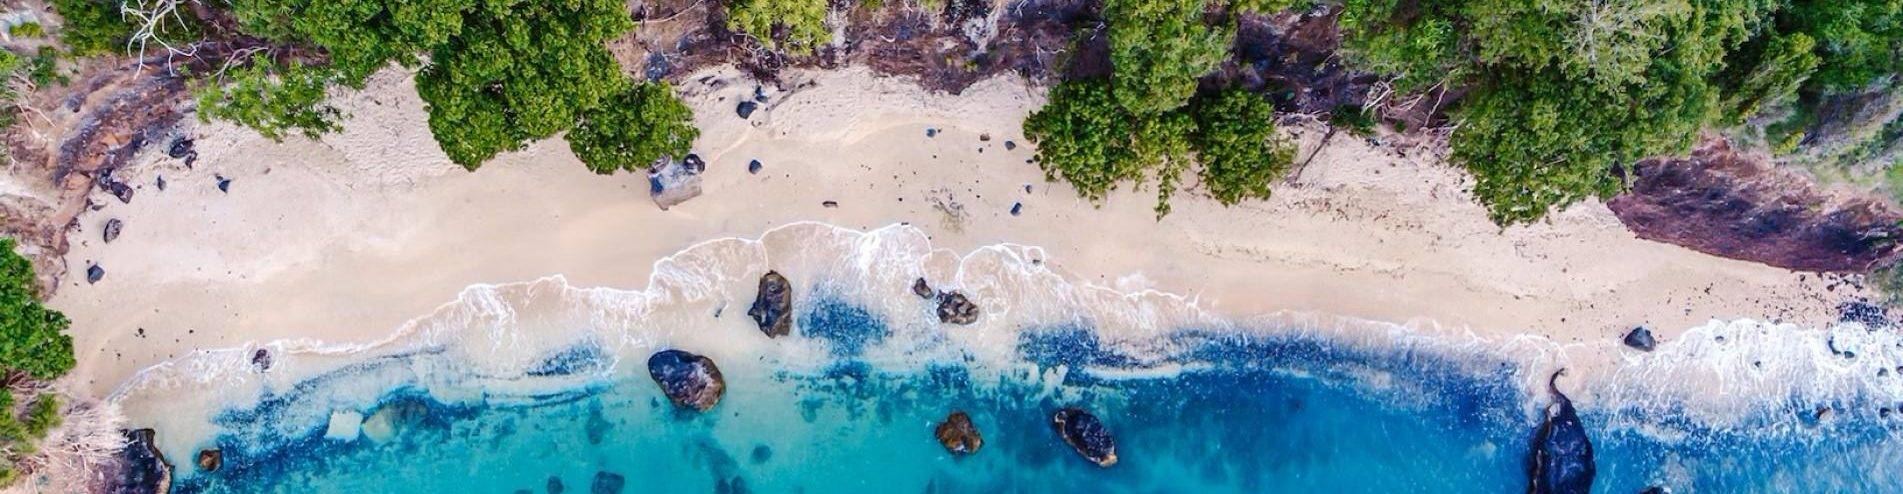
x=344, y=239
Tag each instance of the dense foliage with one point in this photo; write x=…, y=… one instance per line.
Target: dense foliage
x=92, y=27
x=633, y=129
x=31, y=342
x=798, y=26
x=271, y=98
x=1236, y=142
x=1157, y=51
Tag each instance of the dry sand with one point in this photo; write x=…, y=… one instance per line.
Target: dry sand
x=346, y=238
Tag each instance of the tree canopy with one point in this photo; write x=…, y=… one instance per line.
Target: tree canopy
x=32, y=341
x=633, y=129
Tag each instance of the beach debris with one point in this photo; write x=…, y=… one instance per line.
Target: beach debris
x=183, y=148
x=958, y=435
x=1085, y=434
x=141, y=468
x=1010, y=145
x=210, y=459
x=923, y=289
x=1561, y=461
x=1017, y=208
x=111, y=231
x=94, y=273
x=1641, y=339
x=554, y=485
x=931, y=132
x=673, y=182
x=830, y=204
x=394, y=418
x=607, y=482
x=773, y=307
x=688, y=380
x=224, y=184
x=954, y=308
x=261, y=360
x=746, y=108
x=754, y=167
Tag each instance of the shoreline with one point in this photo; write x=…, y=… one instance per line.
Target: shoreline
x=344, y=239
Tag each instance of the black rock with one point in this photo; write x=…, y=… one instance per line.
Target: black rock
x=1017, y=208
x=554, y=485
x=1871, y=315
x=261, y=360
x=1641, y=339
x=958, y=435
x=985, y=137
x=607, y=483
x=94, y=273
x=210, y=459
x=1561, y=461
x=657, y=67
x=745, y=110
x=753, y=167
x=693, y=164
x=931, y=132
x=1010, y=145
x=759, y=94
x=160, y=183
x=830, y=204
x=183, y=148
x=954, y=308
x=141, y=469
x=115, y=187
x=1656, y=490
x=689, y=380
x=922, y=289
x=224, y=184
x=1085, y=434
x=773, y=307
x=112, y=229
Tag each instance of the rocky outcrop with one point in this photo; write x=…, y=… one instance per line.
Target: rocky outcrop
x=689, y=380
x=139, y=469
x=773, y=307
x=1561, y=461
x=1723, y=203
x=958, y=435
x=1085, y=434
x=954, y=308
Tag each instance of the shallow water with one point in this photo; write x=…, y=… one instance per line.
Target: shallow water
x=515, y=385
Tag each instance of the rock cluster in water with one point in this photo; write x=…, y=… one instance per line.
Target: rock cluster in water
x=773, y=307
x=688, y=380
x=141, y=469
x=954, y=308
x=958, y=435
x=1561, y=462
x=1084, y=433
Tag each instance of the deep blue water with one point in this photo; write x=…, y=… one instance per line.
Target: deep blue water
x=1219, y=412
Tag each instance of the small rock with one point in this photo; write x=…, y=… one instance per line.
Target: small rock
x=183, y=148
x=931, y=132
x=161, y=183
x=954, y=308
x=773, y=307
x=754, y=167
x=210, y=459
x=985, y=137
x=745, y=110
x=1085, y=434
x=830, y=204
x=1017, y=208
x=112, y=229
x=923, y=289
x=958, y=435
x=1641, y=339
x=1656, y=490
x=607, y=483
x=1010, y=145
x=759, y=94
x=94, y=273
x=261, y=360
x=224, y=184
x=688, y=380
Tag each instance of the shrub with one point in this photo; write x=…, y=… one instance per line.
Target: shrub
x=273, y=99
x=92, y=27
x=1157, y=51
x=633, y=129
x=31, y=339
x=803, y=23
x=1241, y=153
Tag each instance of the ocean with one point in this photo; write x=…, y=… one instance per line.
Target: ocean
x=543, y=387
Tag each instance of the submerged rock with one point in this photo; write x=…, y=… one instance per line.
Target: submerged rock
x=689, y=380
x=554, y=485
x=210, y=459
x=922, y=289
x=94, y=273
x=141, y=469
x=183, y=148
x=112, y=229
x=958, y=435
x=394, y=418
x=1561, y=461
x=773, y=307
x=954, y=308
x=1085, y=434
x=607, y=482
x=1641, y=339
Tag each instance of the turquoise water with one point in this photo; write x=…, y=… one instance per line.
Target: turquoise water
x=1223, y=413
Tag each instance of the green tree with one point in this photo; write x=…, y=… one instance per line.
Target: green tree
x=1857, y=41
x=31, y=336
x=1083, y=137
x=1158, y=49
x=801, y=23
x=1241, y=152
x=633, y=129
x=92, y=27
x=273, y=99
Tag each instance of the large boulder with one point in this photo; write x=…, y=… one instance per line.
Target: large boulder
x=140, y=468
x=773, y=307
x=954, y=308
x=1561, y=462
x=1085, y=434
x=958, y=435
x=689, y=380
x=673, y=182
